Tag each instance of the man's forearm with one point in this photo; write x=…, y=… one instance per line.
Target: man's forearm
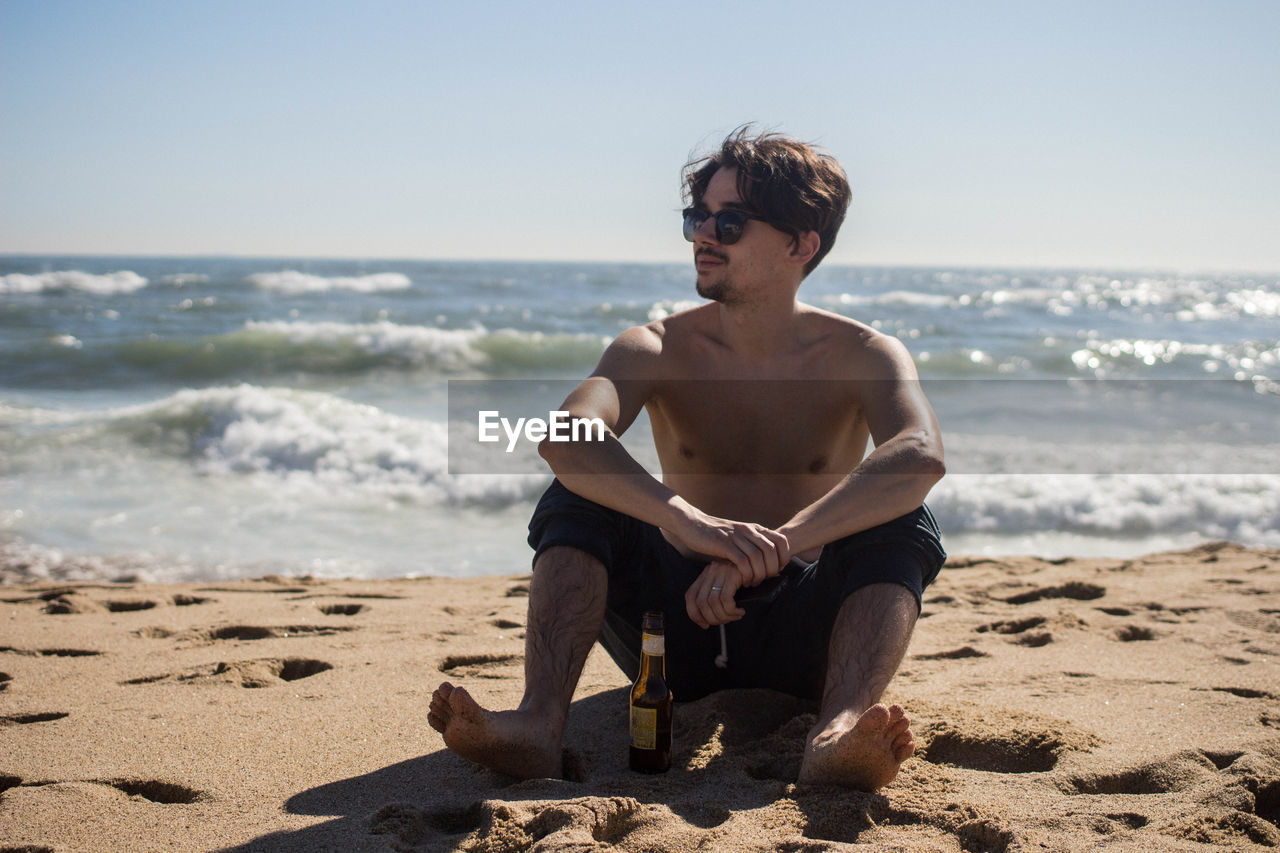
x=604, y=472
x=893, y=480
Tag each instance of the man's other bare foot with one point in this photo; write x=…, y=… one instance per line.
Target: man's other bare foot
x=865, y=755
x=513, y=742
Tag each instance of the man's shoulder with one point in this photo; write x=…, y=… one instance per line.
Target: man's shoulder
x=671, y=328
x=858, y=346
x=844, y=331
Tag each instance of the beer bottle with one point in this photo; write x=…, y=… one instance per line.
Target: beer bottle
x=651, y=703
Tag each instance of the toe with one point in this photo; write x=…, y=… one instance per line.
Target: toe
x=873, y=719
x=461, y=702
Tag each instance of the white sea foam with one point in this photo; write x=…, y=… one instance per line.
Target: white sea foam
x=124, y=281
x=908, y=298
x=667, y=307
x=315, y=442
x=293, y=282
x=444, y=349
x=1241, y=507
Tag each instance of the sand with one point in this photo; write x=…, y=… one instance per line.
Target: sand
x=1076, y=704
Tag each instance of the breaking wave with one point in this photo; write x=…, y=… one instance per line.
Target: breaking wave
x=123, y=281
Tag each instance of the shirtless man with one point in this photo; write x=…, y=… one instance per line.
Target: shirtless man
x=761, y=408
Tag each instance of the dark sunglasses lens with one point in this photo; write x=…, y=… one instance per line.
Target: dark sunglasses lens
x=729, y=226
x=693, y=220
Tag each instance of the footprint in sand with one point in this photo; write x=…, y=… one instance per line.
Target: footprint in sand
x=1012, y=626
x=953, y=654
x=577, y=823
x=151, y=790
x=342, y=609
x=72, y=602
x=268, y=632
x=27, y=719
x=58, y=653
x=165, y=793
x=479, y=666
x=205, y=636
x=411, y=826
x=1167, y=775
x=1133, y=633
x=1255, y=620
x=1017, y=631
x=582, y=823
x=247, y=673
x=1242, y=692
x=1017, y=743
x=1208, y=824
x=277, y=590
x=1078, y=590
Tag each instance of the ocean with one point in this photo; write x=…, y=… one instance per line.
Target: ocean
x=212, y=418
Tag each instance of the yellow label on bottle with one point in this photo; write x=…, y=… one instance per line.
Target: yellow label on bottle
x=653, y=644
x=644, y=728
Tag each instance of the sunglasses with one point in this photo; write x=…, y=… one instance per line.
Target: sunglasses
x=729, y=224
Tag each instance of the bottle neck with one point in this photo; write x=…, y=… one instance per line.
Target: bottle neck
x=652, y=656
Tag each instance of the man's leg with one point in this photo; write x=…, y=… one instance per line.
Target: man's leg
x=856, y=742
x=566, y=610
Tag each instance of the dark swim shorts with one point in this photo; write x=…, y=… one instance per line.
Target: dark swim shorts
x=782, y=641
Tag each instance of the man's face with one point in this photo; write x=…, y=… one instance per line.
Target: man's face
x=728, y=273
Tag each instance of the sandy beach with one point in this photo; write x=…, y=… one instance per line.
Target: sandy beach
x=1067, y=704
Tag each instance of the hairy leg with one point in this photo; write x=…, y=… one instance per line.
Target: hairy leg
x=566, y=610
x=856, y=742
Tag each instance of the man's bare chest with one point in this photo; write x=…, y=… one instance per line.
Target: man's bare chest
x=757, y=427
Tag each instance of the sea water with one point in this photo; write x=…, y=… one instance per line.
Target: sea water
x=219, y=417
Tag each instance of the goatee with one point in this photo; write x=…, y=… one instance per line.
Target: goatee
x=716, y=291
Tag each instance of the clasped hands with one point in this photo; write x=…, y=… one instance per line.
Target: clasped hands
x=741, y=554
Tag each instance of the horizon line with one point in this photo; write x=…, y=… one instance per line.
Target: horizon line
x=1182, y=270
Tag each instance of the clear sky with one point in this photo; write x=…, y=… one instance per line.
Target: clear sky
x=1120, y=133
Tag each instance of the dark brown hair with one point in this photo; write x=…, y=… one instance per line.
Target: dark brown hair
x=792, y=185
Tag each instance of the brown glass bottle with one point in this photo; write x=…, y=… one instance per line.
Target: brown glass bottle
x=651, y=702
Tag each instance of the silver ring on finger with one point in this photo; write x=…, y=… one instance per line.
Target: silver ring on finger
x=716, y=588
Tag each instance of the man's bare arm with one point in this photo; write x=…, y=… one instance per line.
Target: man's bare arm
x=895, y=477
x=604, y=472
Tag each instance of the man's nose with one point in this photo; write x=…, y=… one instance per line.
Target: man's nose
x=706, y=232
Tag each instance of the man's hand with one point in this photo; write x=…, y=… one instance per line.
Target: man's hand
x=709, y=600
x=757, y=552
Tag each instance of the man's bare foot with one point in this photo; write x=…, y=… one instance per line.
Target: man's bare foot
x=517, y=743
x=865, y=755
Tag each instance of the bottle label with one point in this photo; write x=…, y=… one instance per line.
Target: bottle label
x=644, y=728
x=653, y=644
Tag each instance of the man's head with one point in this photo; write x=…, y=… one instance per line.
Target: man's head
x=790, y=184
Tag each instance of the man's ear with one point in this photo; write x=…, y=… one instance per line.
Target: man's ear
x=804, y=247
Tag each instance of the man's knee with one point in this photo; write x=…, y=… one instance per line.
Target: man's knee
x=885, y=602
x=557, y=559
